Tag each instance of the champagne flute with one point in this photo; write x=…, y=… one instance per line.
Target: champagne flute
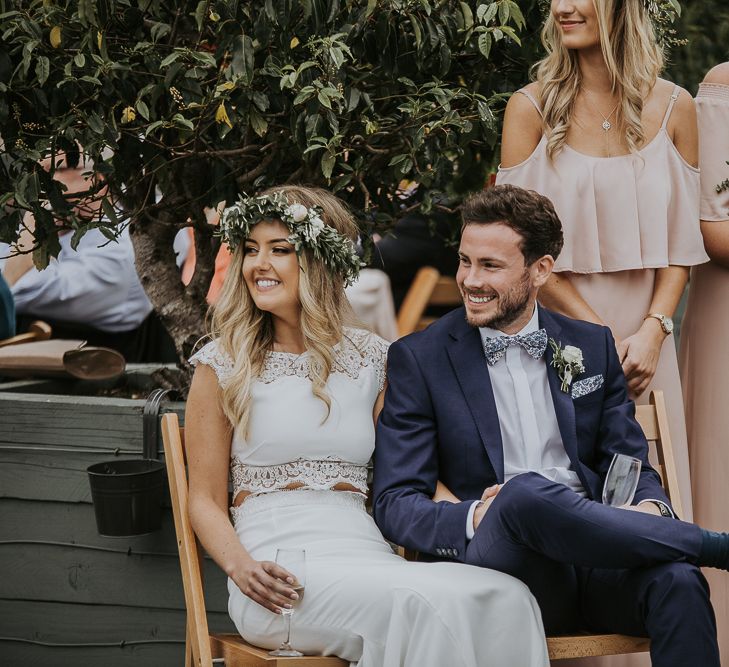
x=621, y=481
x=293, y=560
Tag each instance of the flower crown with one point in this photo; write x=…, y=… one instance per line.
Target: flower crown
x=307, y=229
x=662, y=14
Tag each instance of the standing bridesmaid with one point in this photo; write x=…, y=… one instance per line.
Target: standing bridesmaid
x=704, y=353
x=615, y=148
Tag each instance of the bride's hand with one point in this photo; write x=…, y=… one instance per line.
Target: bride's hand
x=266, y=583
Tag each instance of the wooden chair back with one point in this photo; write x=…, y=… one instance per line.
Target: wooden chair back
x=445, y=295
x=37, y=330
x=653, y=419
x=202, y=649
x=416, y=299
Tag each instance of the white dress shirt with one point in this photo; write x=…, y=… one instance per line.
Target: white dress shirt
x=96, y=284
x=529, y=430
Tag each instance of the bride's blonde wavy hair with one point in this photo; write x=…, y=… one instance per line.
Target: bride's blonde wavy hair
x=634, y=60
x=245, y=332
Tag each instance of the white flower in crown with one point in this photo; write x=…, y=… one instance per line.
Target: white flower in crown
x=316, y=225
x=298, y=212
x=567, y=361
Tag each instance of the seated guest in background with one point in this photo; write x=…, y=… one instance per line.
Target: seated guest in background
x=7, y=311
x=519, y=411
x=93, y=292
x=704, y=356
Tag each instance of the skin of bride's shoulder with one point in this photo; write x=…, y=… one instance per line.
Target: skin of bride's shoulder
x=522, y=128
x=718, y=74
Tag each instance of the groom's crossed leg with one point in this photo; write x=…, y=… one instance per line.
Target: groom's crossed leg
x=603, y=569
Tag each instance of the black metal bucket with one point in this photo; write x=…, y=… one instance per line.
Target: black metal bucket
x=127, y=496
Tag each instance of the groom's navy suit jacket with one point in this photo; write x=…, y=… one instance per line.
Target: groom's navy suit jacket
x=440, y=422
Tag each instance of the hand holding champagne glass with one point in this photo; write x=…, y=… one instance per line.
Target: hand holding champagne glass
x=293, y=560
x=621, y=481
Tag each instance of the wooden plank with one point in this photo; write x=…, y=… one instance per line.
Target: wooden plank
x=74, y=523
x=582, y=646
x=91, y=576
x=73, y=421
x=65, y=623
x=16, y=654
x=49, y=475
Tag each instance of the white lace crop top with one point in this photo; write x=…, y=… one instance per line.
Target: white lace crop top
x=288, y=442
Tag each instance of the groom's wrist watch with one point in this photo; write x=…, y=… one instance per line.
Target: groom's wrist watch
x=664, y=509
x=666, y=322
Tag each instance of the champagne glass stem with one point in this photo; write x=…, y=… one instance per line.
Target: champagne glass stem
x=287, y=621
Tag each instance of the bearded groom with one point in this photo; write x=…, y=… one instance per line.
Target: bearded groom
x=499, y=425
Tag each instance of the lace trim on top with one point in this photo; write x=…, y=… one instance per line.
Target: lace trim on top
x=359, y=349
x=319, y=475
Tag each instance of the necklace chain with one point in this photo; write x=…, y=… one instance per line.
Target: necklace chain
x=606, y=124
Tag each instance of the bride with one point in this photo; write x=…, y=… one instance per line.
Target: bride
x=283, y=402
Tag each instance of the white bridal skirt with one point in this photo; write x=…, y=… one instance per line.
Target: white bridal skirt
x=369, y=606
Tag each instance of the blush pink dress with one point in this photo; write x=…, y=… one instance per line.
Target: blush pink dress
x=623, y=218
x=704, y=354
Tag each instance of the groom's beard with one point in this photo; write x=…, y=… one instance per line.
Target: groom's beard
x=509, y=306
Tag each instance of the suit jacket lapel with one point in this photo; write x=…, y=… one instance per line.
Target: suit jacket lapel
x=469, y=363
x=563, y=406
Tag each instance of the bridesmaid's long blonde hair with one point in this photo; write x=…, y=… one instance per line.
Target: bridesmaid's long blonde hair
x=245, y=332
x=633, y=58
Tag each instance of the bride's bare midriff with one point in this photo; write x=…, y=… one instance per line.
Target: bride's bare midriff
x=342, y=486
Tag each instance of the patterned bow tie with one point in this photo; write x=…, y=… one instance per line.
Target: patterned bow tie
x=534, y=343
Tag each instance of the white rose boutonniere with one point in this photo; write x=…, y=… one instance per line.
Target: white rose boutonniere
x=567, y=361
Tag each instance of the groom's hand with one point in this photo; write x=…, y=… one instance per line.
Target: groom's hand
x=486, y=499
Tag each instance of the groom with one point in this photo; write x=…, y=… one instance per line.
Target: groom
x=517, y=412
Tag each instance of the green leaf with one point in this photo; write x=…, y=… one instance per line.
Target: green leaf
x=324, y=99
x=180, y=121
x=79, y=59
x=153, y=126
x=467, y=16
x=304, y=94
x=166, y=62
x=95, y=122
x=42, y=69
x=258, y=123
x=327, y=164
x=143, y=109
x=110, y=213
x=484, y=43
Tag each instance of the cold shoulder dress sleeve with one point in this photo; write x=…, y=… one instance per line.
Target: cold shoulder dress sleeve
x=362, y=601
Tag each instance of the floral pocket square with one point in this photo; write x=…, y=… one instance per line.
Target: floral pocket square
x=587, y=386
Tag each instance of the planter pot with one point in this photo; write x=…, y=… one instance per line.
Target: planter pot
x=127, y=496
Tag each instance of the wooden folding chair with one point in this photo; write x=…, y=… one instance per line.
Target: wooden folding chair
x=37, y=330
x=201, y=648
x=416, y=299
x=445, y=295
x=654, y=422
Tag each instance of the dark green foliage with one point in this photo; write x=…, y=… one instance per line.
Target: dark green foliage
x=705, y=24
x=200, y=100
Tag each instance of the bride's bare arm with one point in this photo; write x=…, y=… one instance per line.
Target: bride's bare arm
x=208, y=436
x=442, y=492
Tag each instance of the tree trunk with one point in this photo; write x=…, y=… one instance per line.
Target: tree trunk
x=181, y=310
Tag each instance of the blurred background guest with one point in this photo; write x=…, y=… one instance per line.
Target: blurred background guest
x=91, y=292
x=704, y=355
x=7, y=311
x=615, y=148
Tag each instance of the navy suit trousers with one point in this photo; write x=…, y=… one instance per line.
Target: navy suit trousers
x=603, y=569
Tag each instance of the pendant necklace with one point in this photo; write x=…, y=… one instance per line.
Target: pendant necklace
x=606, y=124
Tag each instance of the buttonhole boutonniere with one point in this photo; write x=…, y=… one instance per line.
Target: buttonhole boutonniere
x=567, y=361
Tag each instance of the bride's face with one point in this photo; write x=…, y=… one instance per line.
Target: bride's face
x=577, y=23
x=271, y=269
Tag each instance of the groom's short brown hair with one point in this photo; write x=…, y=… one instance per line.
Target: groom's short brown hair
x=528, y=213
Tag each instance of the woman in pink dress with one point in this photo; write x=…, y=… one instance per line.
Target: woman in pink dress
x=704, y=355
x=615, y=148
